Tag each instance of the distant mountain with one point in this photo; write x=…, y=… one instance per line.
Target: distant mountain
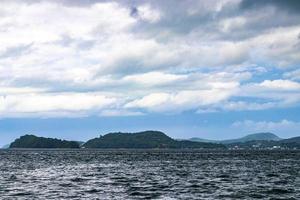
x=145, y=139
x=251, y=137
x=291, y=143
x=5, y=146
x=195, y=139
x=32, y=141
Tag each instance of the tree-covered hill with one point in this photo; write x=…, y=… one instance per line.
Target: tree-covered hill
x=145, y=139
x=32, y=141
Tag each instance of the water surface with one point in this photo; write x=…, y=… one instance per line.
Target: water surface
x=149, y=174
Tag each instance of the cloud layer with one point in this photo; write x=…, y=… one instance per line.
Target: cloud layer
x=73, y=58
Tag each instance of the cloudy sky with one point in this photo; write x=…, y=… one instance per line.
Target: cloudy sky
x=214, y=69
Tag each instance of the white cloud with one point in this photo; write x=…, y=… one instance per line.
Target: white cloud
x=19, y=90
x=277, y=47
x=154, y=78
x=43, y=21
x=231, y=24
x=265, y=87
x=145, y=12
x=67, y=57
x=267, y=94
x=294, y=75
x=280, y=85
x=243, y=105
x=51, y=102
x=183, y=100
x=120, y=112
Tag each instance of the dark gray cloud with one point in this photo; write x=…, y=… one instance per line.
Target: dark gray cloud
x=205, y=18
x=183, y=17
x=134, y=12
x=290, y=5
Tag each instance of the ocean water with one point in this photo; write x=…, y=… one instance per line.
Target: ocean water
x=149, y=174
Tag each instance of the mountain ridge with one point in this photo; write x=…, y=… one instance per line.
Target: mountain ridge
x=250, y=137
x=290, y=143
x=144, y=139
x=156, y=139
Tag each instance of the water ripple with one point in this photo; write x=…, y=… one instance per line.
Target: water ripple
x=149, y=174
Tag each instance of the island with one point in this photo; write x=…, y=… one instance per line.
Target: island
x=32, y=141
x=146, y=140
x=251, y=137
x=256, y=141
x=159, y=140
x=290, y=143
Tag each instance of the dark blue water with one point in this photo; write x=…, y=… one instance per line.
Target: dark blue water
x=149, y=174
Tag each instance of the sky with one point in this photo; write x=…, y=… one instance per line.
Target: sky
x=217, y=69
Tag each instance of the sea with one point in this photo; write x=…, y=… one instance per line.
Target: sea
x=149, y=174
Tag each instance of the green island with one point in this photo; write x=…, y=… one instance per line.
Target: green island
x=159, y=140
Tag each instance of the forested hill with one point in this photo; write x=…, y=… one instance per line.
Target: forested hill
x=32, y=141
x=145, y=139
